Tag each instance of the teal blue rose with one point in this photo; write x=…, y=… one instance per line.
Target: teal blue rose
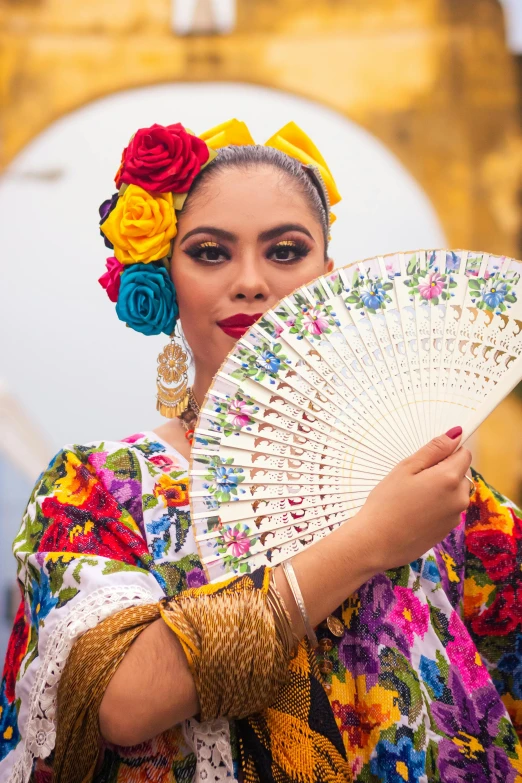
x=147, y=299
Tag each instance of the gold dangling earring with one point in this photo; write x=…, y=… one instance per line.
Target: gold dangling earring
x=172, y=380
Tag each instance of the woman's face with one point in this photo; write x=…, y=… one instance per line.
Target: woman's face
x=247, y=239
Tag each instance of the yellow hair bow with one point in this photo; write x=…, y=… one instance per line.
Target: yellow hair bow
x=290, y=139
x=232, y=132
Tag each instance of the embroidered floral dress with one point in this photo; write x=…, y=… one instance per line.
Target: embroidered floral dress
x=423, y=667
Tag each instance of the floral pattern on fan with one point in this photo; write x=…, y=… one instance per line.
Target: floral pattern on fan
x=430, y=284
x=257, y=366
x=314, y=322
x=235, y=414
x=222, y=480
x=369, y=292
x=493, y=294
x=234, y=543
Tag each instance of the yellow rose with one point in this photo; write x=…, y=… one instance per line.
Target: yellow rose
x=141, y=226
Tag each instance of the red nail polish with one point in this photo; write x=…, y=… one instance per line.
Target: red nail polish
x=454, y=432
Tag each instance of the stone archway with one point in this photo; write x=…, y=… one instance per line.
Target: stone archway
x=433, y=81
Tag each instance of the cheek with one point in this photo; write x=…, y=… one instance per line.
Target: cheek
x=196, y=300
x=287, y=279
x=195, y=310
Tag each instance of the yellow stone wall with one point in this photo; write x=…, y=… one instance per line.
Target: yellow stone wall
x=431, y=78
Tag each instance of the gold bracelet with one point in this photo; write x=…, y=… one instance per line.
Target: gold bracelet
x=282, y=619
x=298, y=598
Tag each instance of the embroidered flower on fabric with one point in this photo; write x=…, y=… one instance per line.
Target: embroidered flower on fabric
x=396, y=763
x=173, y=491
x=464, y=655
x=431, y=674
x=410, y=614
x=42, y=737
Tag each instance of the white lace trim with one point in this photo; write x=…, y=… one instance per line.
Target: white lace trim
x=40, y=729
x=210, y=741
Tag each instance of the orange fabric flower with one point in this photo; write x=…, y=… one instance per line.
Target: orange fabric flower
x=141, y=226
x=362, y=713
x=173, y=491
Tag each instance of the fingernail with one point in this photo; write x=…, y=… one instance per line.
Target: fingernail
x=454, y=432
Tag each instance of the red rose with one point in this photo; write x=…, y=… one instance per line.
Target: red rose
x=93, y=528
x=503, y=616
x=496, y=550
x=161, y=159
x=111, y=279
x=15, y=652
x=110, y=539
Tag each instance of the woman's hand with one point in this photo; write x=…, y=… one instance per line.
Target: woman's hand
x=416, y=505
x=413, y=508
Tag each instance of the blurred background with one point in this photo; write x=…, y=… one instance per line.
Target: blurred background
x=416, y=104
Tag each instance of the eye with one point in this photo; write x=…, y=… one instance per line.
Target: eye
x=288, y=251
x=208, y=252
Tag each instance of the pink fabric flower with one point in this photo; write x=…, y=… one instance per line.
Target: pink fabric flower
x=163, y=462
x=433, y=287
x=237, y=541
x=110, y=280
x=239, y=413
x=314, y=321
x=98, y=459
x=465, y=657
x=410, y=614
x=133, y=438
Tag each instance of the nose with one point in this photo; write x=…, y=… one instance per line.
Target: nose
x=249, y=282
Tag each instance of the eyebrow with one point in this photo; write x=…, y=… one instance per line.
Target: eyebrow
x=265, y=236
x=218, y=232
x=272, y=233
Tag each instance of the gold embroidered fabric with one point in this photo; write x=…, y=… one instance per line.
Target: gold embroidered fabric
x=91, y=664
x=228, y=633
x=237, y=647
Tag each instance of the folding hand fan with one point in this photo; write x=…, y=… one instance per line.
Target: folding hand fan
x=330, y=389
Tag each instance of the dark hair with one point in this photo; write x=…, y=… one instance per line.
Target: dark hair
x=250, y=155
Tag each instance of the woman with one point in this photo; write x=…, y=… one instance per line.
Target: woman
x=125, y=666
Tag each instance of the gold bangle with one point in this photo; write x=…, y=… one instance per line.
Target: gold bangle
x=293, y=584
x=282, y=619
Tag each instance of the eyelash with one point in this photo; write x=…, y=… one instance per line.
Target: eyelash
x=196, y=250
x=300, y=249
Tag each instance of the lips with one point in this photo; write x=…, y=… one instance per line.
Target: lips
x=238, y=325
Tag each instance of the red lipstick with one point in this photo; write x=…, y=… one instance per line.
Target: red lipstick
x=238, y=325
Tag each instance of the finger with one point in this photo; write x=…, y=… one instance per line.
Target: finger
x=462, y=458
x=467, y=492
x=456, y=465
x=435, y=451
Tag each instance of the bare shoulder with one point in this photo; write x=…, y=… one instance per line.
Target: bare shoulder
x=173, y=433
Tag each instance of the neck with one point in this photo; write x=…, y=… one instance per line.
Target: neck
x=202, y=381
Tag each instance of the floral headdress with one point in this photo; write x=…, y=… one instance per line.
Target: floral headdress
x=139, y=222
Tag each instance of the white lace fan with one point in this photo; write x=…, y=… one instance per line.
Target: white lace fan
x=340, y=381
